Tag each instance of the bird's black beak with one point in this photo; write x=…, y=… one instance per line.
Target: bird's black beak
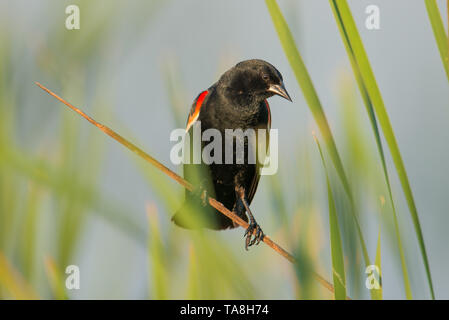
x=280, y=90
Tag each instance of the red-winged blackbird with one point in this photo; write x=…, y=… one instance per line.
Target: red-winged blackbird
x=236, y=101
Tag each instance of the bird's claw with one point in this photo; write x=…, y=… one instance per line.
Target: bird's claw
x=253, y=234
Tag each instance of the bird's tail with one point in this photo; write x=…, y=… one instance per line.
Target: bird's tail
x=181, y=218
x=195, y=216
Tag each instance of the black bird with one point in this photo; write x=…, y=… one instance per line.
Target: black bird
x=237, y=101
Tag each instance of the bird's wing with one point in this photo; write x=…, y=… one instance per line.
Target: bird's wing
x=195, y=173
x=195, y=110
x=253, y=188
x=256, y=178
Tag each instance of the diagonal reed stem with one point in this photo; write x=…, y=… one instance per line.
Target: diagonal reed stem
x=214, y=203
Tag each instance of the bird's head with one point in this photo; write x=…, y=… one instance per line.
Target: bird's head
x=254, y=81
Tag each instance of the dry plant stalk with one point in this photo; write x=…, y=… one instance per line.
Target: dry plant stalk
x=214, y=203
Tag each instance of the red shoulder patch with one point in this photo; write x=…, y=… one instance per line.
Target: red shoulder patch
x=196, y=107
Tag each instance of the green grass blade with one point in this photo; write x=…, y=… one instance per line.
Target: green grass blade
x=371, y=114
x=370, y=88
x=55, y=279
x=338, y=266
x=12, y=282
x=193, y=276
x=305, y=82
x=159, y=277
x=440, y=34
x=28, y=242
x=377, y=294
x=311, y=97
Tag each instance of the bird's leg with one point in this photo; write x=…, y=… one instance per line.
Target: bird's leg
x=253, y=227
x=239, y=210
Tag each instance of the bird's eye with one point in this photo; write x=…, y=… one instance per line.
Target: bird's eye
x=265, y=77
